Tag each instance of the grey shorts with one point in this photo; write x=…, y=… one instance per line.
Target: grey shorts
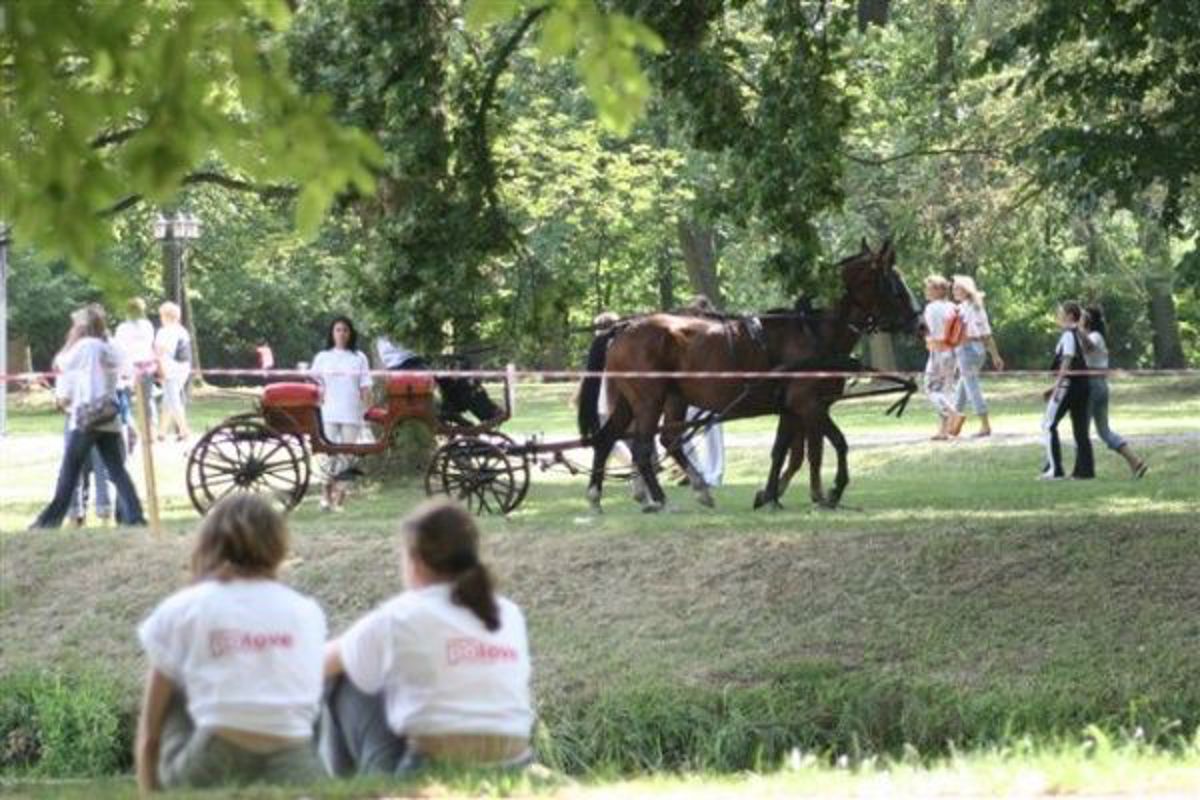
x=197, y=757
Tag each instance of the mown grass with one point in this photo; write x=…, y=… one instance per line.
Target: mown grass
x=956, y=604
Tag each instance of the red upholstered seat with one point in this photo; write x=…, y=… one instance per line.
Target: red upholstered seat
x=408, y=385
x=376, y=414
x=291, y=395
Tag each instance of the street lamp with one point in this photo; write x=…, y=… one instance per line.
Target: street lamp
x=176, y=232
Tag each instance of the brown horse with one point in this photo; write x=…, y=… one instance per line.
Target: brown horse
x=874, y=297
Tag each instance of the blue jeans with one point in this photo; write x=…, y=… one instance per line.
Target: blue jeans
x=93, y=470
x=1098, y=409
x=970, y=356
x=79, y=445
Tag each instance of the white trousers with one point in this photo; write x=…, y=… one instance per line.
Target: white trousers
x=939, y=381
x=706, y=450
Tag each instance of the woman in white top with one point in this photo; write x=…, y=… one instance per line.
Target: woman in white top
x=234, y=685
x=345, y=377
x=438, y=673
x=88, y=381
x=134, y=340
x=939, y=365
x=173, y=346
x=1095, y=353
x=970, y=355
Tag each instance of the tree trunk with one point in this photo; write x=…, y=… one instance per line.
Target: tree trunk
x=666, y=281
x=698, y=242
x=881, y=351
x=872, y=12
x=1168, y=349
x=1160, y=283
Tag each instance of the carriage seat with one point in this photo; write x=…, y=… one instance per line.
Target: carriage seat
x=409, y=385
x=376, y=414
x=291, y=395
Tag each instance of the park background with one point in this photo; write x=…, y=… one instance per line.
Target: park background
x=484, y=177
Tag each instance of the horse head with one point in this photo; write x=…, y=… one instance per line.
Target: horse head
x=878, y=297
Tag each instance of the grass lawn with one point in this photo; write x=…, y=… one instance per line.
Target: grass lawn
x=954, y=599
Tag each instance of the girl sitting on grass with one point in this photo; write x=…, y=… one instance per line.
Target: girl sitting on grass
x=234, y=684
x=438, y=673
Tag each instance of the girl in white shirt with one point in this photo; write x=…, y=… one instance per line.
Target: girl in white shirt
x=971, y=354
x=440, y=672
x=234, y=683
x=1095, y=353
x=345, y=377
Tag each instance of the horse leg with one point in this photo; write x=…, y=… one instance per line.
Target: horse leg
x=674, y=419
x=602, y=446
x=785, y=433
x=838, y=440
x=643, y=457
x=815, y=454
x=795, y=461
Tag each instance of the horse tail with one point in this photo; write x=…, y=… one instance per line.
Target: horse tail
x=589, y=388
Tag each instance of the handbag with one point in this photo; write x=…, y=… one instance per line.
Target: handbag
x=956, y=330
x=96, y=413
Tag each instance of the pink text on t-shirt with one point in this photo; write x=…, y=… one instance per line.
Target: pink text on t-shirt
x=465, y=650
x=225, y=641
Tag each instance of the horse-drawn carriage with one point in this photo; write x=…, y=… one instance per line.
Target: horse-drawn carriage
x=658, y=365
x=270, y=449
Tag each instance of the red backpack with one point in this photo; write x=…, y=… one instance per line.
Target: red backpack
x=956, y=330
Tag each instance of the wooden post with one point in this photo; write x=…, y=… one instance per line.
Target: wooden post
x=143, y=424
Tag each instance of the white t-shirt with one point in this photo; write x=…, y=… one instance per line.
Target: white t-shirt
x=975, y=320
x=1097, y=357
x=440, y=669
x=88, y=373
x=343, y=374
x=1066, y=345
x=391, y=355
x=134, y=340
x=937, y=313
x=248, y=653
x=166, y=344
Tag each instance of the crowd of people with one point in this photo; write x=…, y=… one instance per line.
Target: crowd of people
x=244, y=684
x=959, y=340
x=98, y=377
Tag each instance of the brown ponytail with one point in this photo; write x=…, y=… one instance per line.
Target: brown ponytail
x=444, y=536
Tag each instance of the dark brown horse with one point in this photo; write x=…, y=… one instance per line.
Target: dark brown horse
x=874, y=298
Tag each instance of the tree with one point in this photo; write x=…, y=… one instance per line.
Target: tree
x=110, y=104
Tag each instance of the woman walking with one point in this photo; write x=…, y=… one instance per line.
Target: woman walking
x=1095, y=353
x=939, y=365
x=1069, y=394
x=234, y=684
x=88, y=392
x=438, y=673
x=173, y=346
x=345, y=377
x=977, y=344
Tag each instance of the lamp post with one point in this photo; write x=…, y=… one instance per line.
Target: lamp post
x=176, y=232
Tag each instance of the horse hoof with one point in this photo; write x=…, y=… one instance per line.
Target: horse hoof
x=652, y=508
x=705, y=499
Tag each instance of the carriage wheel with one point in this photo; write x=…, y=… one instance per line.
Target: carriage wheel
x=520, y=465
x=479, y=474
x=244, y=455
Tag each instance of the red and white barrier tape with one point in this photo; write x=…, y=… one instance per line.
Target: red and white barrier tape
x=517, y=374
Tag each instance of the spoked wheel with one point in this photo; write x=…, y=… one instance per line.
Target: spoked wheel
x=479, y=474
x=244, y=455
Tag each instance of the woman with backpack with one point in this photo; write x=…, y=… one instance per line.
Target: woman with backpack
x=970, y=333
x=1068, y=395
